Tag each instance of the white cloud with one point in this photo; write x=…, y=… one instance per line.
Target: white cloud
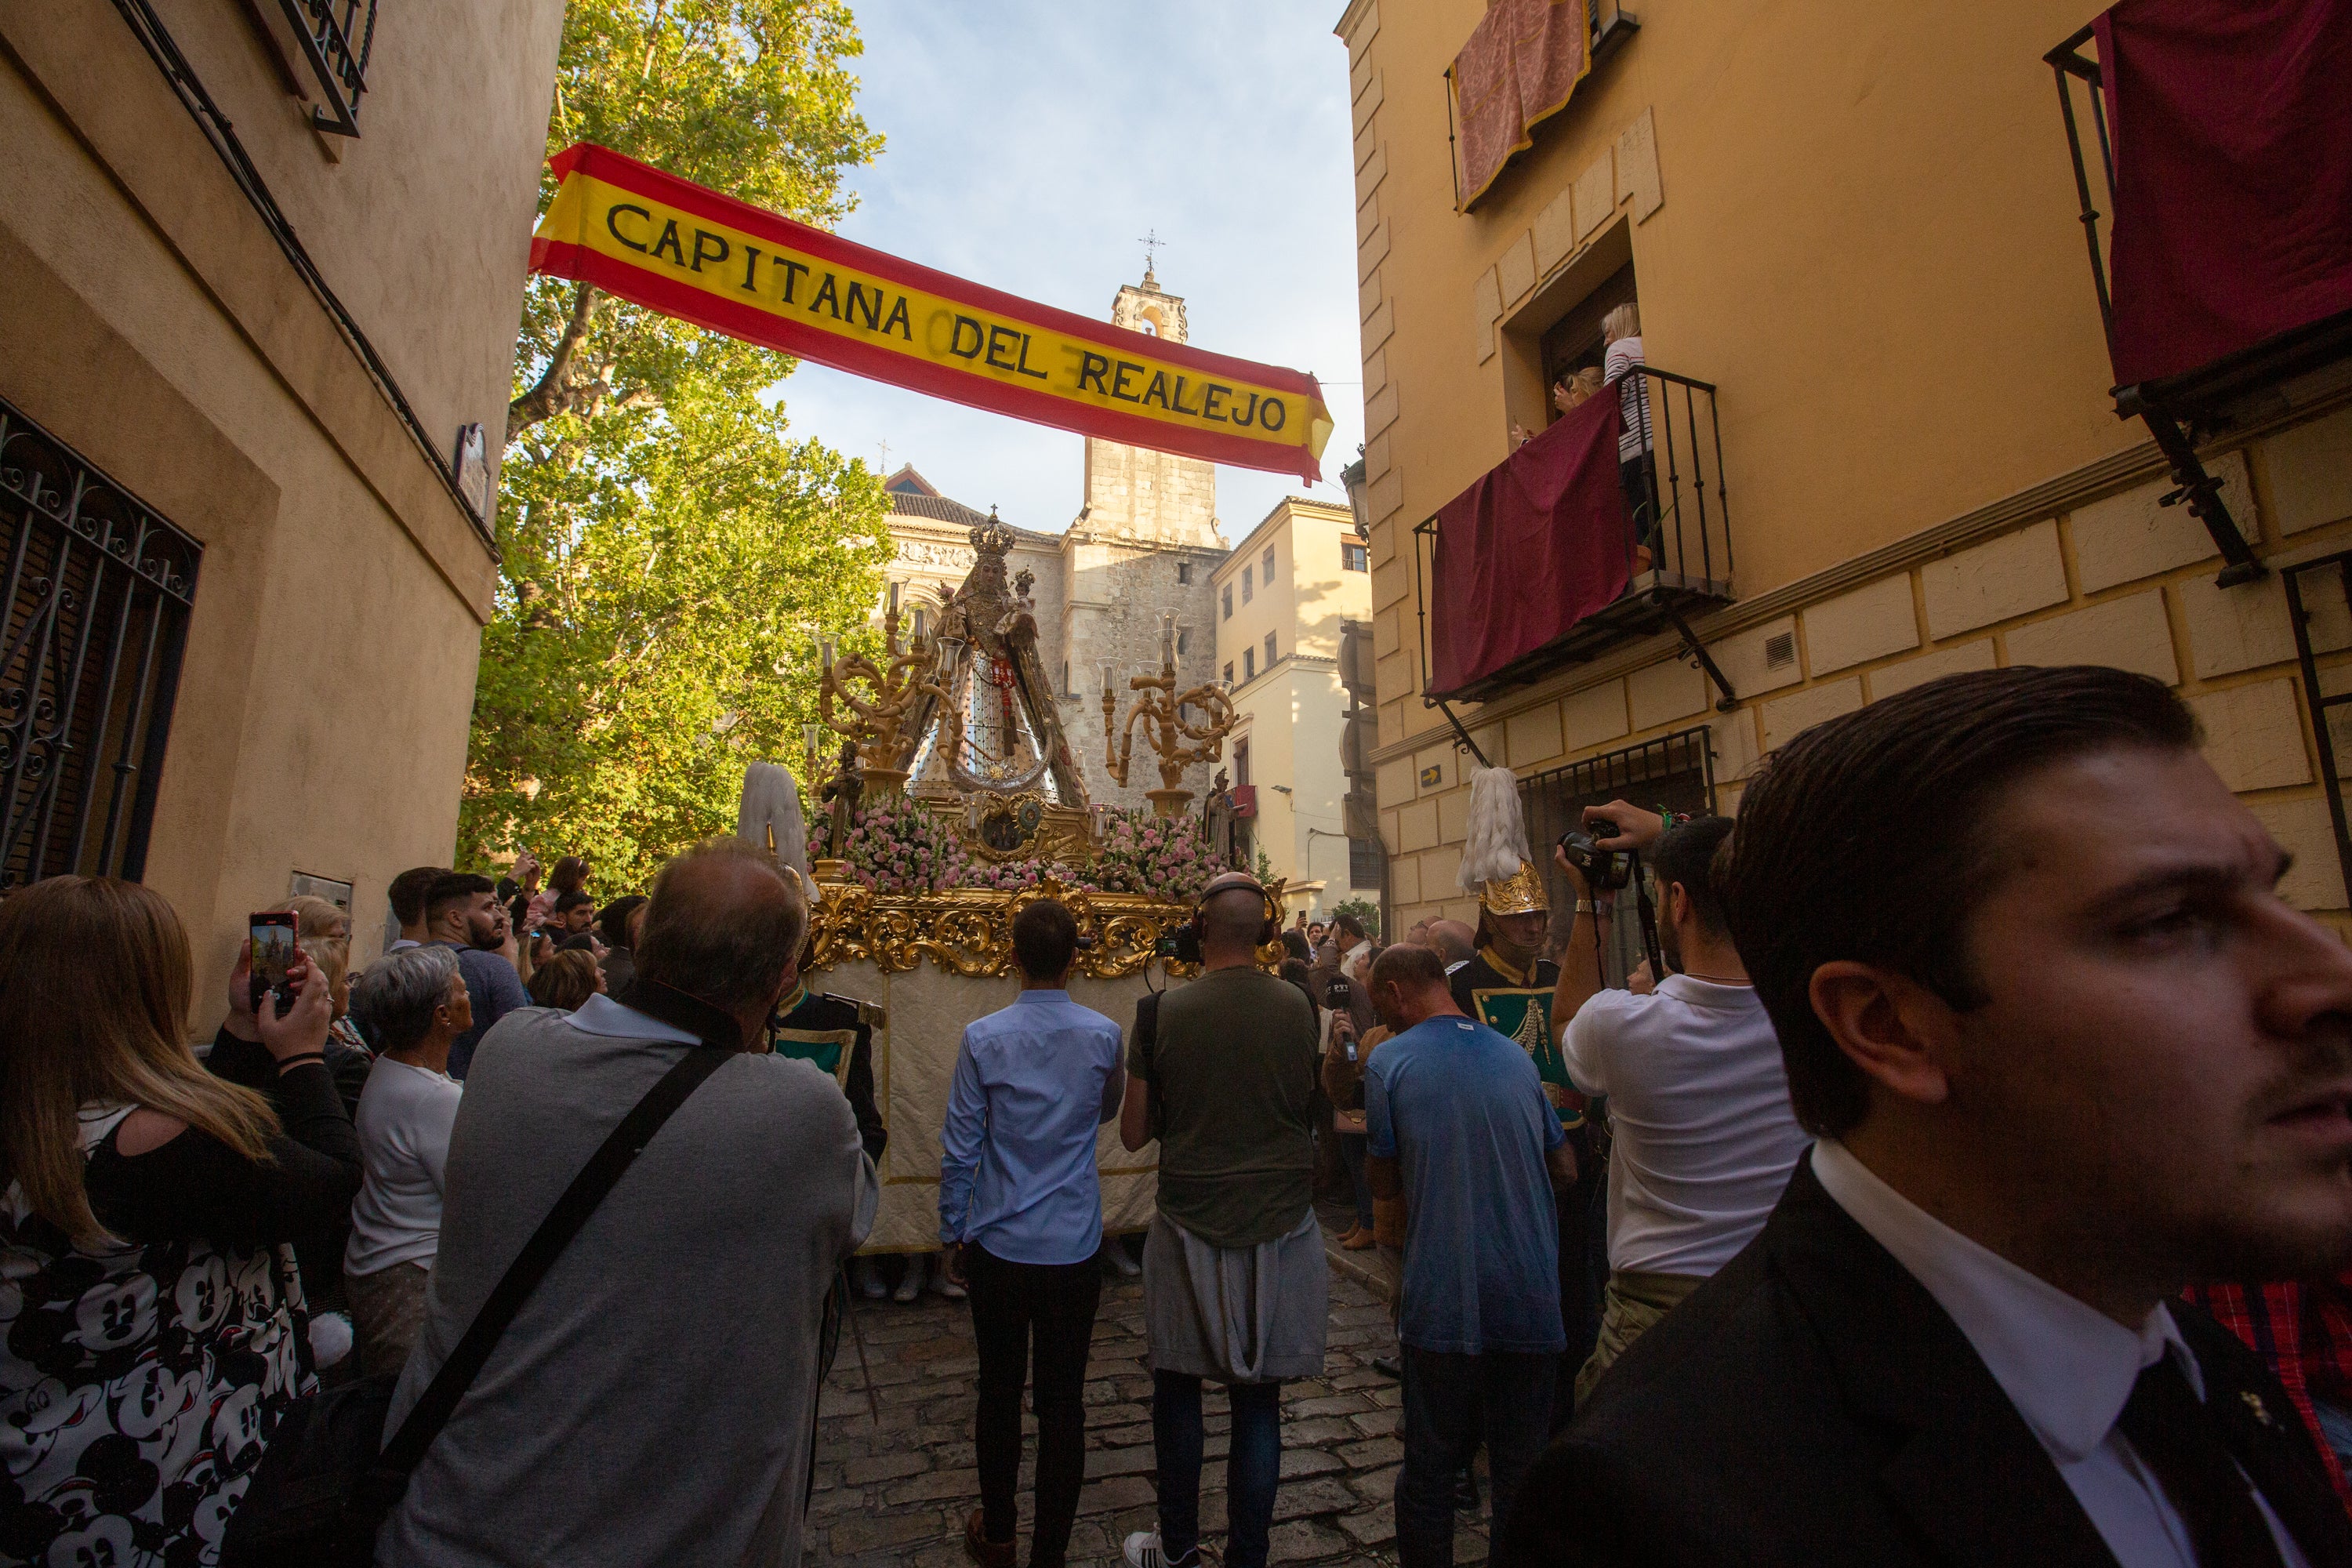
x=1032, y=143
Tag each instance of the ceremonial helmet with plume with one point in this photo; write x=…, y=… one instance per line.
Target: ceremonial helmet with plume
x=768, y=820
x=1495, y=860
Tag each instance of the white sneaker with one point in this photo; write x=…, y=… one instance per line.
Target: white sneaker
x=1144, y=1550
x=910, y=1283
x=942, y=1283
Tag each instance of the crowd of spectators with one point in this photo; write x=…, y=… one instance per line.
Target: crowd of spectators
x=1972, y=1177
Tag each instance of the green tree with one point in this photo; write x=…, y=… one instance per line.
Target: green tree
x=670, y=552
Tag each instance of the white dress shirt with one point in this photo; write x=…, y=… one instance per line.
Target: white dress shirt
x=2067, y=1367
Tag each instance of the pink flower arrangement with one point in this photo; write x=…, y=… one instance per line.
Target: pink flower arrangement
x=1163, y=857
x=903, y=846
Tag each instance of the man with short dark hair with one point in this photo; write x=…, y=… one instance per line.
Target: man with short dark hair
x=1021, y=1217
x=406, y=895
x=654, y=1399
x=463, y=912
x=1702, y=1138
x=573, y=913
x=1461, y=1130
x=2066, y=1050
x=1236, y=1286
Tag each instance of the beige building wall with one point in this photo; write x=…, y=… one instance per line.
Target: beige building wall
x=1860, y=224
x=155, y=325
x=1292, y=709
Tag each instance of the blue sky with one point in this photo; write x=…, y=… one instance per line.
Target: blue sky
x=1030, y=146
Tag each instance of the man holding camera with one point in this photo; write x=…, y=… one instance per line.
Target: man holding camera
x=1703, y=1136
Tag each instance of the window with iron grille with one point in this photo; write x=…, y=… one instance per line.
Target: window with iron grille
x=1363, y=863
x=1229, y=601
x=1675, y=771
x=1269, y=650
x=98, y=591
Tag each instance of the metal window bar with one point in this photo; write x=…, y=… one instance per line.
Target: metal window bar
x=2069, y=64
x=1676, y=771
x=2331, y=783
x=325, y=30
x=98, y=593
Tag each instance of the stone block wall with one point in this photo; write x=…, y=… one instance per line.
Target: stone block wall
x=1114, y=592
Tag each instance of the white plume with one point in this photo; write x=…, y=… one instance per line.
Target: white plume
x=772, y=802
x=1498, y=829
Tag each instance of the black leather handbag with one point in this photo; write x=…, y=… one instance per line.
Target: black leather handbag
x=324, y=1489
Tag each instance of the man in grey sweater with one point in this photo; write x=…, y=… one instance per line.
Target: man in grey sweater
x=655, y=1399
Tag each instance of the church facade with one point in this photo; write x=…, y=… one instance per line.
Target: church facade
x=1143, y=546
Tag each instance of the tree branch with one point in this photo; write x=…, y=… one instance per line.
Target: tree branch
x=552, y=394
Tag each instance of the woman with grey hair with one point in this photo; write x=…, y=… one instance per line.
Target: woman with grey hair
x=417, y=1001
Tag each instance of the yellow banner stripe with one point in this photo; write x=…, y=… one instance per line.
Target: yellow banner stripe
x=746, y=271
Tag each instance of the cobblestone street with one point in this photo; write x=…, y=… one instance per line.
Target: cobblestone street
x=899, y=1494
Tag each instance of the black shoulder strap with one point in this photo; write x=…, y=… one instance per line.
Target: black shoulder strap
x=388, y=1477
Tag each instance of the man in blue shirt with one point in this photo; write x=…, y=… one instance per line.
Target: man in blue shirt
x=462, y=912
x=1021, y=1216
x=1460, y=1129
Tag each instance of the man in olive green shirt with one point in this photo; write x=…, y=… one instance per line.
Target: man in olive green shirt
x=1236, y=1287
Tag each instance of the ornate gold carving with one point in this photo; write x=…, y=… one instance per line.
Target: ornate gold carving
x=874, y=721
x=1160, y=710
x=969, y=930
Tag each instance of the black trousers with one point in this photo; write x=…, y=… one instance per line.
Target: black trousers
x=1013, y=1305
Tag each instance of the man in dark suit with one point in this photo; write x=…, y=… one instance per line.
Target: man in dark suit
x=2065, y=1051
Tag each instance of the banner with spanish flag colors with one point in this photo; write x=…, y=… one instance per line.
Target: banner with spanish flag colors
x=691, y=252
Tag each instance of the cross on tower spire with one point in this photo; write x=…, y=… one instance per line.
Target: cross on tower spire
x=1150, y=243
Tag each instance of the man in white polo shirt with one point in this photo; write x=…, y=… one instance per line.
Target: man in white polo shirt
x=1698, y=1098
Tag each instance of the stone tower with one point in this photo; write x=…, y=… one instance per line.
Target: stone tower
x=1143, y=547
x=1136, y=493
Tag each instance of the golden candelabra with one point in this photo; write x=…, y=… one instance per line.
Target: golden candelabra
x=1160, y=709
x=893, y=686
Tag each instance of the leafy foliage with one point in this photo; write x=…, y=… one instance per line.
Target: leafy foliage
x=1364, y=910
x=670, y=552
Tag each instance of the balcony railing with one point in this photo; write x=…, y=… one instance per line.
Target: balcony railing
x=2259, y=381
x=336, y=38
x=1676, y=545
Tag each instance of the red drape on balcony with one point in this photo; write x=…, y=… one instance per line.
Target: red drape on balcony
x=1522, y=61
x=2233, y=126
x=1536, y=545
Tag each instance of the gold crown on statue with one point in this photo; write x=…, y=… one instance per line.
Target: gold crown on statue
x=1521, y=893
x=991, y=538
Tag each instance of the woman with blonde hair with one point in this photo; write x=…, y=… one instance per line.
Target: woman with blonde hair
x=158, y=1333
x=1620, y=365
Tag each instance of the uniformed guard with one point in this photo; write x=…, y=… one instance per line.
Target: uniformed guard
x=836, y=1033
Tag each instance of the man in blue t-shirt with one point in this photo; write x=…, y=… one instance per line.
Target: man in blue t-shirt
x=1461, y=1130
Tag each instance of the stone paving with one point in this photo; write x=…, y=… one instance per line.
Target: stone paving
x=899, y=1493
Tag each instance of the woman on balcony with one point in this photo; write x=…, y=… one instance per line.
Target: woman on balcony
x=1621, y=333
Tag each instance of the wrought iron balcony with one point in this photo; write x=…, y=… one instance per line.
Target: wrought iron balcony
x=2256, y=376
x=335, y=38
x=1672, y=537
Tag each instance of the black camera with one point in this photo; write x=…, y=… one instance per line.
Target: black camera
x=1603, y=870
x=1182, y=945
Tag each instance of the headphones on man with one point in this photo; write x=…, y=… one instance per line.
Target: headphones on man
x=1187, y=935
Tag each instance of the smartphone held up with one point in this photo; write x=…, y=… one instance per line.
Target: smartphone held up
x=274, y=953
